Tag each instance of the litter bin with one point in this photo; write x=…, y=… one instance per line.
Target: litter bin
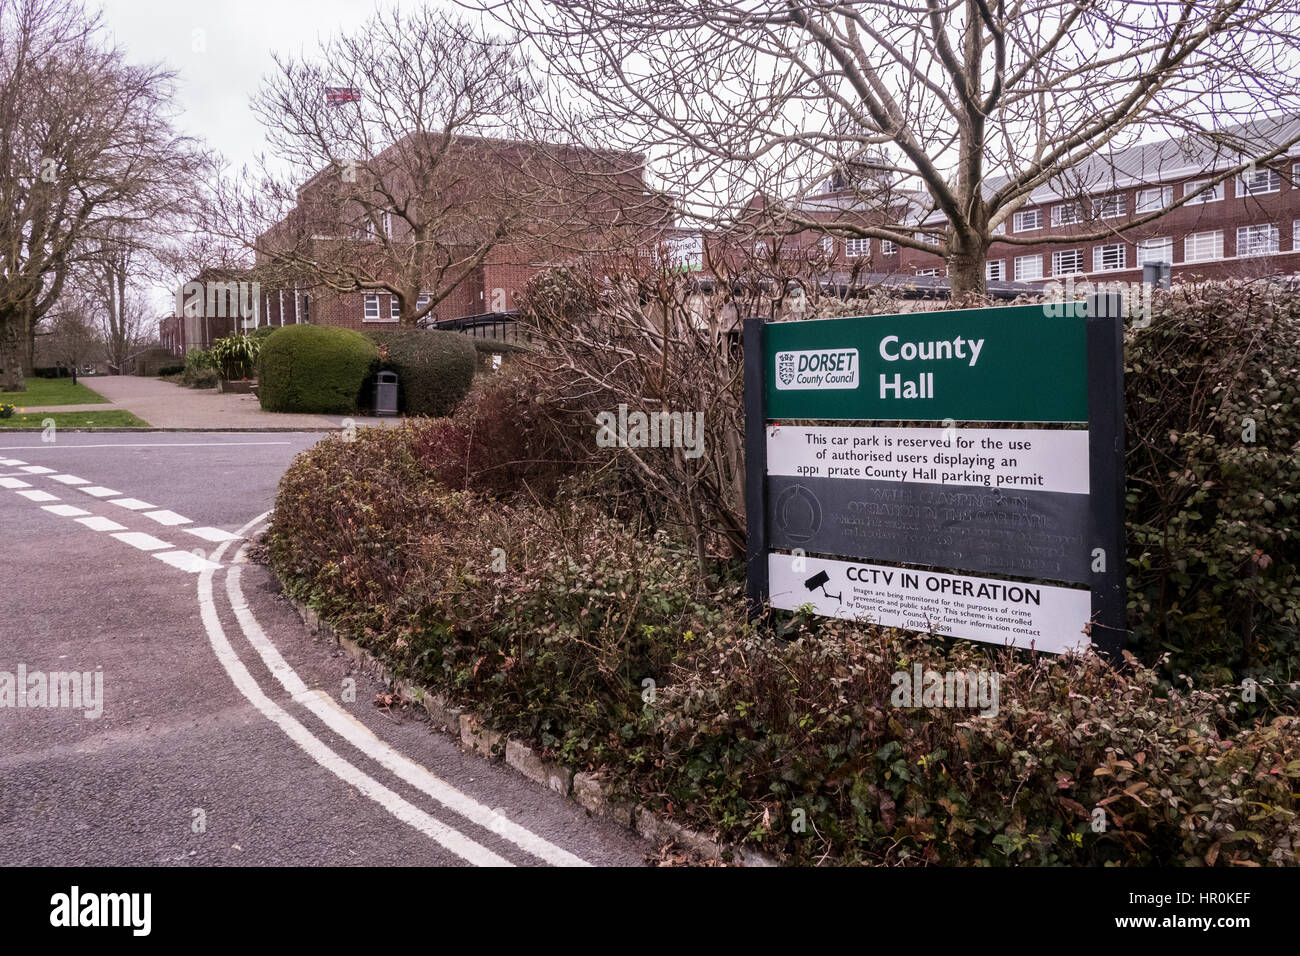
x=386, y=394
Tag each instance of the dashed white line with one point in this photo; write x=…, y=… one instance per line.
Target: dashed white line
x=167, y=517
x=38, y=470
x=69, y=480
x=39, y=496
x=211, y=534
x=134, y=504
x=145, y=542
x=186, y=561
x=96, y=523
x=99, y=492
x=65, y=511
x=13, y=483
x=11, y=462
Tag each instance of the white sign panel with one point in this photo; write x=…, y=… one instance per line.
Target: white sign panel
x=817, y=368
x=1021, y=458
x=1051, y=619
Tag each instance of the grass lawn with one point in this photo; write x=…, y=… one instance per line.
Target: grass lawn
x=109, y=419
x=52, y=391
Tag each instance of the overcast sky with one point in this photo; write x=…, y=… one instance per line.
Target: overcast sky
x=222, y=49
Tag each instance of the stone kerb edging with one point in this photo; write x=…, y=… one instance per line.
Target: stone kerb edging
x=591, y=791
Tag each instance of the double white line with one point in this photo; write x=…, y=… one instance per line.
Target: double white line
x=354, y=733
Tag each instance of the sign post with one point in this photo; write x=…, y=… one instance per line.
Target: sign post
x=902, y=473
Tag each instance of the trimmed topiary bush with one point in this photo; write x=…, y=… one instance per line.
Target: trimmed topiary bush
x=435, y=369
x=314, y=368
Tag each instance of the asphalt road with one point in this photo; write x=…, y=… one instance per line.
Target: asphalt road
x=224, y=737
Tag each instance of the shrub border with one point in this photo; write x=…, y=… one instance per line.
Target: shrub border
x=591, y=791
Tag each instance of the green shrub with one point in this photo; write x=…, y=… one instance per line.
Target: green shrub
x=263, y=332
x=435, y=369
x=235, y=356
x=551, y=621
x=171, y=370
x=1213, y=416
x=6, y=410
x=313, y=368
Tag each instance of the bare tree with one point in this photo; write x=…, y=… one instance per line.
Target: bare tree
x=390, y=169
x=111, y=269
x=73, y=338
x=86, y=143
x=961, y=109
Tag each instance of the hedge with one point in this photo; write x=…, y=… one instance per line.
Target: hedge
x=435, y=368
x=314, y=368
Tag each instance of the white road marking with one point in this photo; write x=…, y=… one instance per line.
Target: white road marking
x=167, y=517
x=99, y=492
x=135, y=504
x=11, y=462
x=96, y=523
x=64, y=511
x=434, y=829
x=186, y=561
x=69, y=480
x=149, y=444
x=211, y=534
x=13, y=483
x=39, y=496
x=38, y=470
x=145, y=542
x=378, y=751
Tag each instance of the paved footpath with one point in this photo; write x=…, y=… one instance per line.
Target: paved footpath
x=214, y=729
x=167, y=405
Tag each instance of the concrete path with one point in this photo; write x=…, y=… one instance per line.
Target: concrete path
x=167, y=405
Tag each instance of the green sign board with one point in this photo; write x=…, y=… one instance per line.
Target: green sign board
x=1012, y=364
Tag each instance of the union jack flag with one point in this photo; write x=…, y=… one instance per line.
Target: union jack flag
x=334, y=95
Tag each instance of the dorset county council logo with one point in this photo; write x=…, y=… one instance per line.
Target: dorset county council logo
x=817, y=368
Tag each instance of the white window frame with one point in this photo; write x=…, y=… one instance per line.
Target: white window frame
x=1058, y=257
x=828, y=245
x=394, y=308
x=888, y=247
x=1060, y=217
x=1249, y=186
x=1165, y=250
x=760, y=247
x=1153, y=199
x=856, y=248
x=1000, y=229
x=1295, y=236
x=1193, y=241
x=927, y=238
x=929, y=273
x=1248, y=241
x=422, y=300
x=1021, y=217
x=1117, y=250
x=1114, y=206
x=998, y=266
x=1020, y=272
x=1213, y=194
x=371, y=298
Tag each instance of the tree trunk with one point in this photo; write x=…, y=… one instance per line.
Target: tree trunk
x=12, y=377
x=966, y=266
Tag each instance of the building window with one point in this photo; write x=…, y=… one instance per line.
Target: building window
x=1155, y=250
x=1295, y=236
x=1067, y=262
x=1109, y=257
x=386, y=222
x=1257, y=240
x=1027, y=220
x=1213, y=194
x=1110, y=207
x=853, y=248
x=828, y=245
x=1028, y=268
x=927, y=272
x=1203, y=246
x=1000, y=229
x=421, y=301
x=306, y=314
x=1155, y=199
x=1067, y=214
x=995, y=270
x=372, y=308
x=1259, y=182
x=760, y=248
x=394, y=307
x=927, y=238
x=888, y=247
